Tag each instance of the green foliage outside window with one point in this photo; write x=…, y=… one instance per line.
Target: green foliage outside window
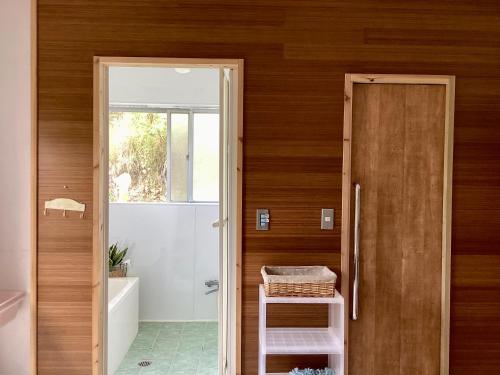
x=137, y=156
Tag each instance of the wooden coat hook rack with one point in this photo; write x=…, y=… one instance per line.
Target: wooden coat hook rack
x=64, y=204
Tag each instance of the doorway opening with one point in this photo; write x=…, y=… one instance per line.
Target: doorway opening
x=167, y=215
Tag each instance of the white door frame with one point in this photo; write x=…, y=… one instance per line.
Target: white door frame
x=230, y=362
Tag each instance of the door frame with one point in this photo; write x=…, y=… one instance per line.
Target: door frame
x=449, y=83
x=100, y=206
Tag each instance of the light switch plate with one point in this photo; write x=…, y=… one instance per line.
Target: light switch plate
x=327, y=218
x=263, y=219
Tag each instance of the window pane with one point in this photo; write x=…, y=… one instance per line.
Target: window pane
x=137, y=155
x=206, y=157
x=180, y=156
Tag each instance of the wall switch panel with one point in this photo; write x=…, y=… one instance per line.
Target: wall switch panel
x=327, y=218
x=263, y=219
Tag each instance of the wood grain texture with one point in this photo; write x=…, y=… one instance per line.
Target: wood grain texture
x=398, y=158
x=100, y=218
x=296, y=54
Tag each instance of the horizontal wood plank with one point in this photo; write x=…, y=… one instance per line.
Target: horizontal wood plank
x=296, y=54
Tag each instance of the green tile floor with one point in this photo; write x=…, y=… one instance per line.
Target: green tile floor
x=174, y=348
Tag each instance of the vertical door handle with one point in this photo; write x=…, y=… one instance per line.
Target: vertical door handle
x=355, y=286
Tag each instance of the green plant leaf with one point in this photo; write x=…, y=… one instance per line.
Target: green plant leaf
x=116, y=255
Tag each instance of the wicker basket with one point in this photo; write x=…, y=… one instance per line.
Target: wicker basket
x=304, y=281
x=118, y=271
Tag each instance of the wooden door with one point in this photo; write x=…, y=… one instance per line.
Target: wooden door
x=397, y=157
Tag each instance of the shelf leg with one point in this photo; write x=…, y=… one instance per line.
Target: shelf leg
x=336, y=363
x=262, y=363
x=262, y=334
x=336, y=326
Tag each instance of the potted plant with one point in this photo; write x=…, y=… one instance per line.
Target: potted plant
x=117, y=267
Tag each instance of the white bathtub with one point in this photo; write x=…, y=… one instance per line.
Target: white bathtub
x=123, y=318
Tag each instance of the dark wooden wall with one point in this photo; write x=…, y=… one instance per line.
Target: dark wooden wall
x=296, y=54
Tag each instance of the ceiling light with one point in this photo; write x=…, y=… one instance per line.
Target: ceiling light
x=182, y=70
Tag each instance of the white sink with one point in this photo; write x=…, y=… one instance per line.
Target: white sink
x=10, y=300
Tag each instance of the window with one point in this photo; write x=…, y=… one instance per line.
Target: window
x=206, y=157
x=179, y=156
x=163, y=155
x=137, y=154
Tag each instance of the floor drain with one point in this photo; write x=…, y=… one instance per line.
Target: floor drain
x=144, y=363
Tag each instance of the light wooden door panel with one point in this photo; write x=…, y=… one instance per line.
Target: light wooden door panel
x=397, y=156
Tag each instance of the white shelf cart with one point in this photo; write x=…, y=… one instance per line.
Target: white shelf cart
x=286, y=341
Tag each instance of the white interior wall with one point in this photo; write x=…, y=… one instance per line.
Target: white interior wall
x=15, y=136
x=173, y=249
x=137, y=85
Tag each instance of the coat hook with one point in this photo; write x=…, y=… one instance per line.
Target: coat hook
x=64, y=204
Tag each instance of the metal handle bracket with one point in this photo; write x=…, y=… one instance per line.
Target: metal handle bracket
x=357, y=217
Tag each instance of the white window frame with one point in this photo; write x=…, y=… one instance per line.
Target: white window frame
x=169, y=110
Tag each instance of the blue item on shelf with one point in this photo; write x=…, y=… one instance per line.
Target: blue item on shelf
x=310, y=371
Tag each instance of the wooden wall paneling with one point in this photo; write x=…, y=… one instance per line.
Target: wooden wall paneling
x=296, y=55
